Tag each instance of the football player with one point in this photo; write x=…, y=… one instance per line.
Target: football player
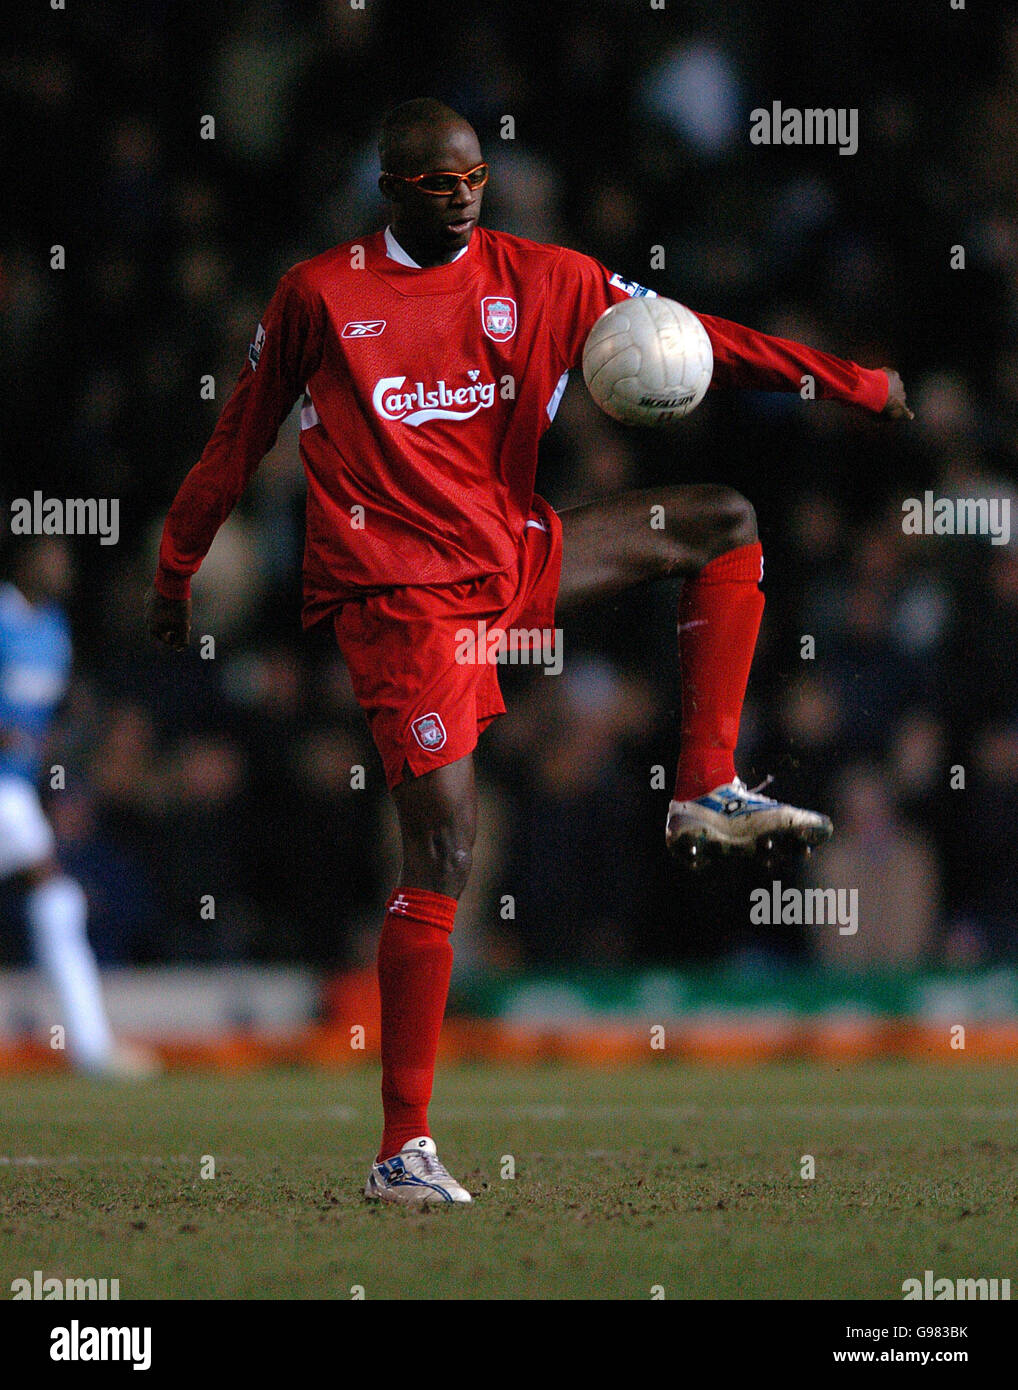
x=431, y=357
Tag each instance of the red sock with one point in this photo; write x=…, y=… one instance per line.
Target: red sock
x=414, y=965
x=719, y=618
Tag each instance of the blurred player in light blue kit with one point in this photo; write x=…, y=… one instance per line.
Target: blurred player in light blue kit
x=35, y=665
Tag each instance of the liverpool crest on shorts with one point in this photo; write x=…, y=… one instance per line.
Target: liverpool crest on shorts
x=498, y=317
x=429, y=731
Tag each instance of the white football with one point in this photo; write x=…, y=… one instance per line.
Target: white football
x=648, y=361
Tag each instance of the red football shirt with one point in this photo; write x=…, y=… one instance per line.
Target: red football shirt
x=425, y=394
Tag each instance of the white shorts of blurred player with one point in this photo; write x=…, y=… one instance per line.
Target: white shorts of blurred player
x=26, y=839
x=57, y=913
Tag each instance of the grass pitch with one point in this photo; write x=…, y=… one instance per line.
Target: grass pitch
x=683, y=1177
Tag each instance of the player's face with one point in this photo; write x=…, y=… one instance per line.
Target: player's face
x=433, y=227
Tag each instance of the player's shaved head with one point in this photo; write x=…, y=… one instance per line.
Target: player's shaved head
x=420, y=137
x=416, y=135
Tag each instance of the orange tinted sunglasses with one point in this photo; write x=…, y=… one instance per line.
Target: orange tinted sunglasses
x=445, y=181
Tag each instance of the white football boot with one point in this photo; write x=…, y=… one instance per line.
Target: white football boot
x=734, y=820
x=415, y=1177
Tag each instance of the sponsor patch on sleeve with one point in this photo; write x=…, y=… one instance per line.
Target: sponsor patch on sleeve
x=255, y=350
x=631, y=288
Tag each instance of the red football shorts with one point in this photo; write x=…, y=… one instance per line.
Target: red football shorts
x=418, y=656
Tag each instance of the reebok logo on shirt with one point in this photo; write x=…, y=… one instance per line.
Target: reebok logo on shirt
x=363, y=328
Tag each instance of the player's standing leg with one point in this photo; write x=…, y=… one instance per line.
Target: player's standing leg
x=438, y=821
x=707, y=533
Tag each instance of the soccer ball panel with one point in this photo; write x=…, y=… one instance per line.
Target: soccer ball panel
x=648, y=361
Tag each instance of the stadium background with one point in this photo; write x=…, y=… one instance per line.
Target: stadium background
x=232, y=776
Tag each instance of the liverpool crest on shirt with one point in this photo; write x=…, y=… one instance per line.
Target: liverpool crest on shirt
x=498, y=317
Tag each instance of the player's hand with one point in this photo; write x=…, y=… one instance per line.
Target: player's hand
x=897, y=406
x=169, y=620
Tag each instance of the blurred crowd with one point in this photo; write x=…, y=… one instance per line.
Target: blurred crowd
x=236, y=775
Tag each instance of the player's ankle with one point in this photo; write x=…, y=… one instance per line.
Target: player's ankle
x=395, y=1141
x=692, y=783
